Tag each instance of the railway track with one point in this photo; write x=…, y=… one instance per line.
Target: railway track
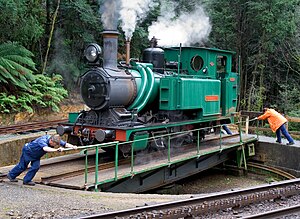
x=193, y=207
x=287, y=211
x=29, y=127
x=256, y=167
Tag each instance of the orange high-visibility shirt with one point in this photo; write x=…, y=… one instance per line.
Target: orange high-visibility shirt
x=275, y=119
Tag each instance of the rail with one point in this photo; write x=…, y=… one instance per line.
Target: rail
x=286, y=212
x=199, y=206
x=169, y=162
x=21, y=128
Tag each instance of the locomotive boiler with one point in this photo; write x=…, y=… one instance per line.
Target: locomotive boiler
x=170, y=90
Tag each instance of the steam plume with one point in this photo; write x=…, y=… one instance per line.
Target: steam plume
x=109, y=11
x=131, y=12
x=171, y=30
x=187, y=28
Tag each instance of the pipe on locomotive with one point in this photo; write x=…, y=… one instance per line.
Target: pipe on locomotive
x=127, y=51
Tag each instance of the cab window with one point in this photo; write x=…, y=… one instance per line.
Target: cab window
x=221, y=63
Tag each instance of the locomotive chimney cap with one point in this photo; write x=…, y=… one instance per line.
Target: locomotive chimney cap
x=110, y=32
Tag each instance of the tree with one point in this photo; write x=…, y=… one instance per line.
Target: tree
x=21, y=21
x=259, y=31
x=20, y=88
x=273, y=25
x=78, y=23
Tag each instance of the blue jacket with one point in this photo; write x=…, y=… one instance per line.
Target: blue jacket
x=35, y=147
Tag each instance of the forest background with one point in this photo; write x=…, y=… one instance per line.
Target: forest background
x=42, y=44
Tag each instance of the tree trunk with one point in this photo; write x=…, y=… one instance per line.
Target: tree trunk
x=50, y=36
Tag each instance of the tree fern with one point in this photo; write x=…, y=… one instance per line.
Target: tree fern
x=6, y=103
x=16, y=66
x=45, y=92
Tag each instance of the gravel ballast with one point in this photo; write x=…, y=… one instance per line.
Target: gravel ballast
x=40, y=201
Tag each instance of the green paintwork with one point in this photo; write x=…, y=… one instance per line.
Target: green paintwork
x=229, y=94
x=141, y=82
x=147, y=85
x=72, y=117
x=205, y=90
x=209, y=56
x=176, y=92
x=140, y=141
x=189, y=94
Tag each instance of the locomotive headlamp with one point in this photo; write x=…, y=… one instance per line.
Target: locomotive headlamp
x=92, y=52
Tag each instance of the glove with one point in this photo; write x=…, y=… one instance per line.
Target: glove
x=60, y=149
x=74, y=147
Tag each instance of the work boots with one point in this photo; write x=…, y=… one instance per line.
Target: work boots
x=11, y=179
x=30, y=183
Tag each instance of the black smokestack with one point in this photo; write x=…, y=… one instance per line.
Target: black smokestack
x=110, y=48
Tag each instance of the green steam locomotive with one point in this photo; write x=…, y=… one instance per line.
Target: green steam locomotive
x=171, y=90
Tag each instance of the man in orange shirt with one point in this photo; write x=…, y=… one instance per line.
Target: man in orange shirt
x=277, y=121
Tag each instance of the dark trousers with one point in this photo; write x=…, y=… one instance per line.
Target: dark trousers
x=283, y=130
x=25, y=159
x=227, y=130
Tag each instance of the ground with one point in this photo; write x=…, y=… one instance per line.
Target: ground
x=40, y=201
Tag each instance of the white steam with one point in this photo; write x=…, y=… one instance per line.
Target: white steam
x=109, y=11
x=133, y=11
x=188, y=28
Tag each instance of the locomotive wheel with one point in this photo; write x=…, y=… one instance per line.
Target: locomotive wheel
x=110, y=151
x=157, y=144
x=125, y=149
x=181, y=141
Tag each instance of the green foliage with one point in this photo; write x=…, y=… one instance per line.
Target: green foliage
x=70, y=40
x=294, y=126
x=48, y=92
x=224, y=19
x=16, y=66
x=6, y=101
x=140, y=42
x=265, y=35
x=45, y=92
x=88, y=25
x=21, y=21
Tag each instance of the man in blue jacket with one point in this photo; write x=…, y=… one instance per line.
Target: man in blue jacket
x=32, y=153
